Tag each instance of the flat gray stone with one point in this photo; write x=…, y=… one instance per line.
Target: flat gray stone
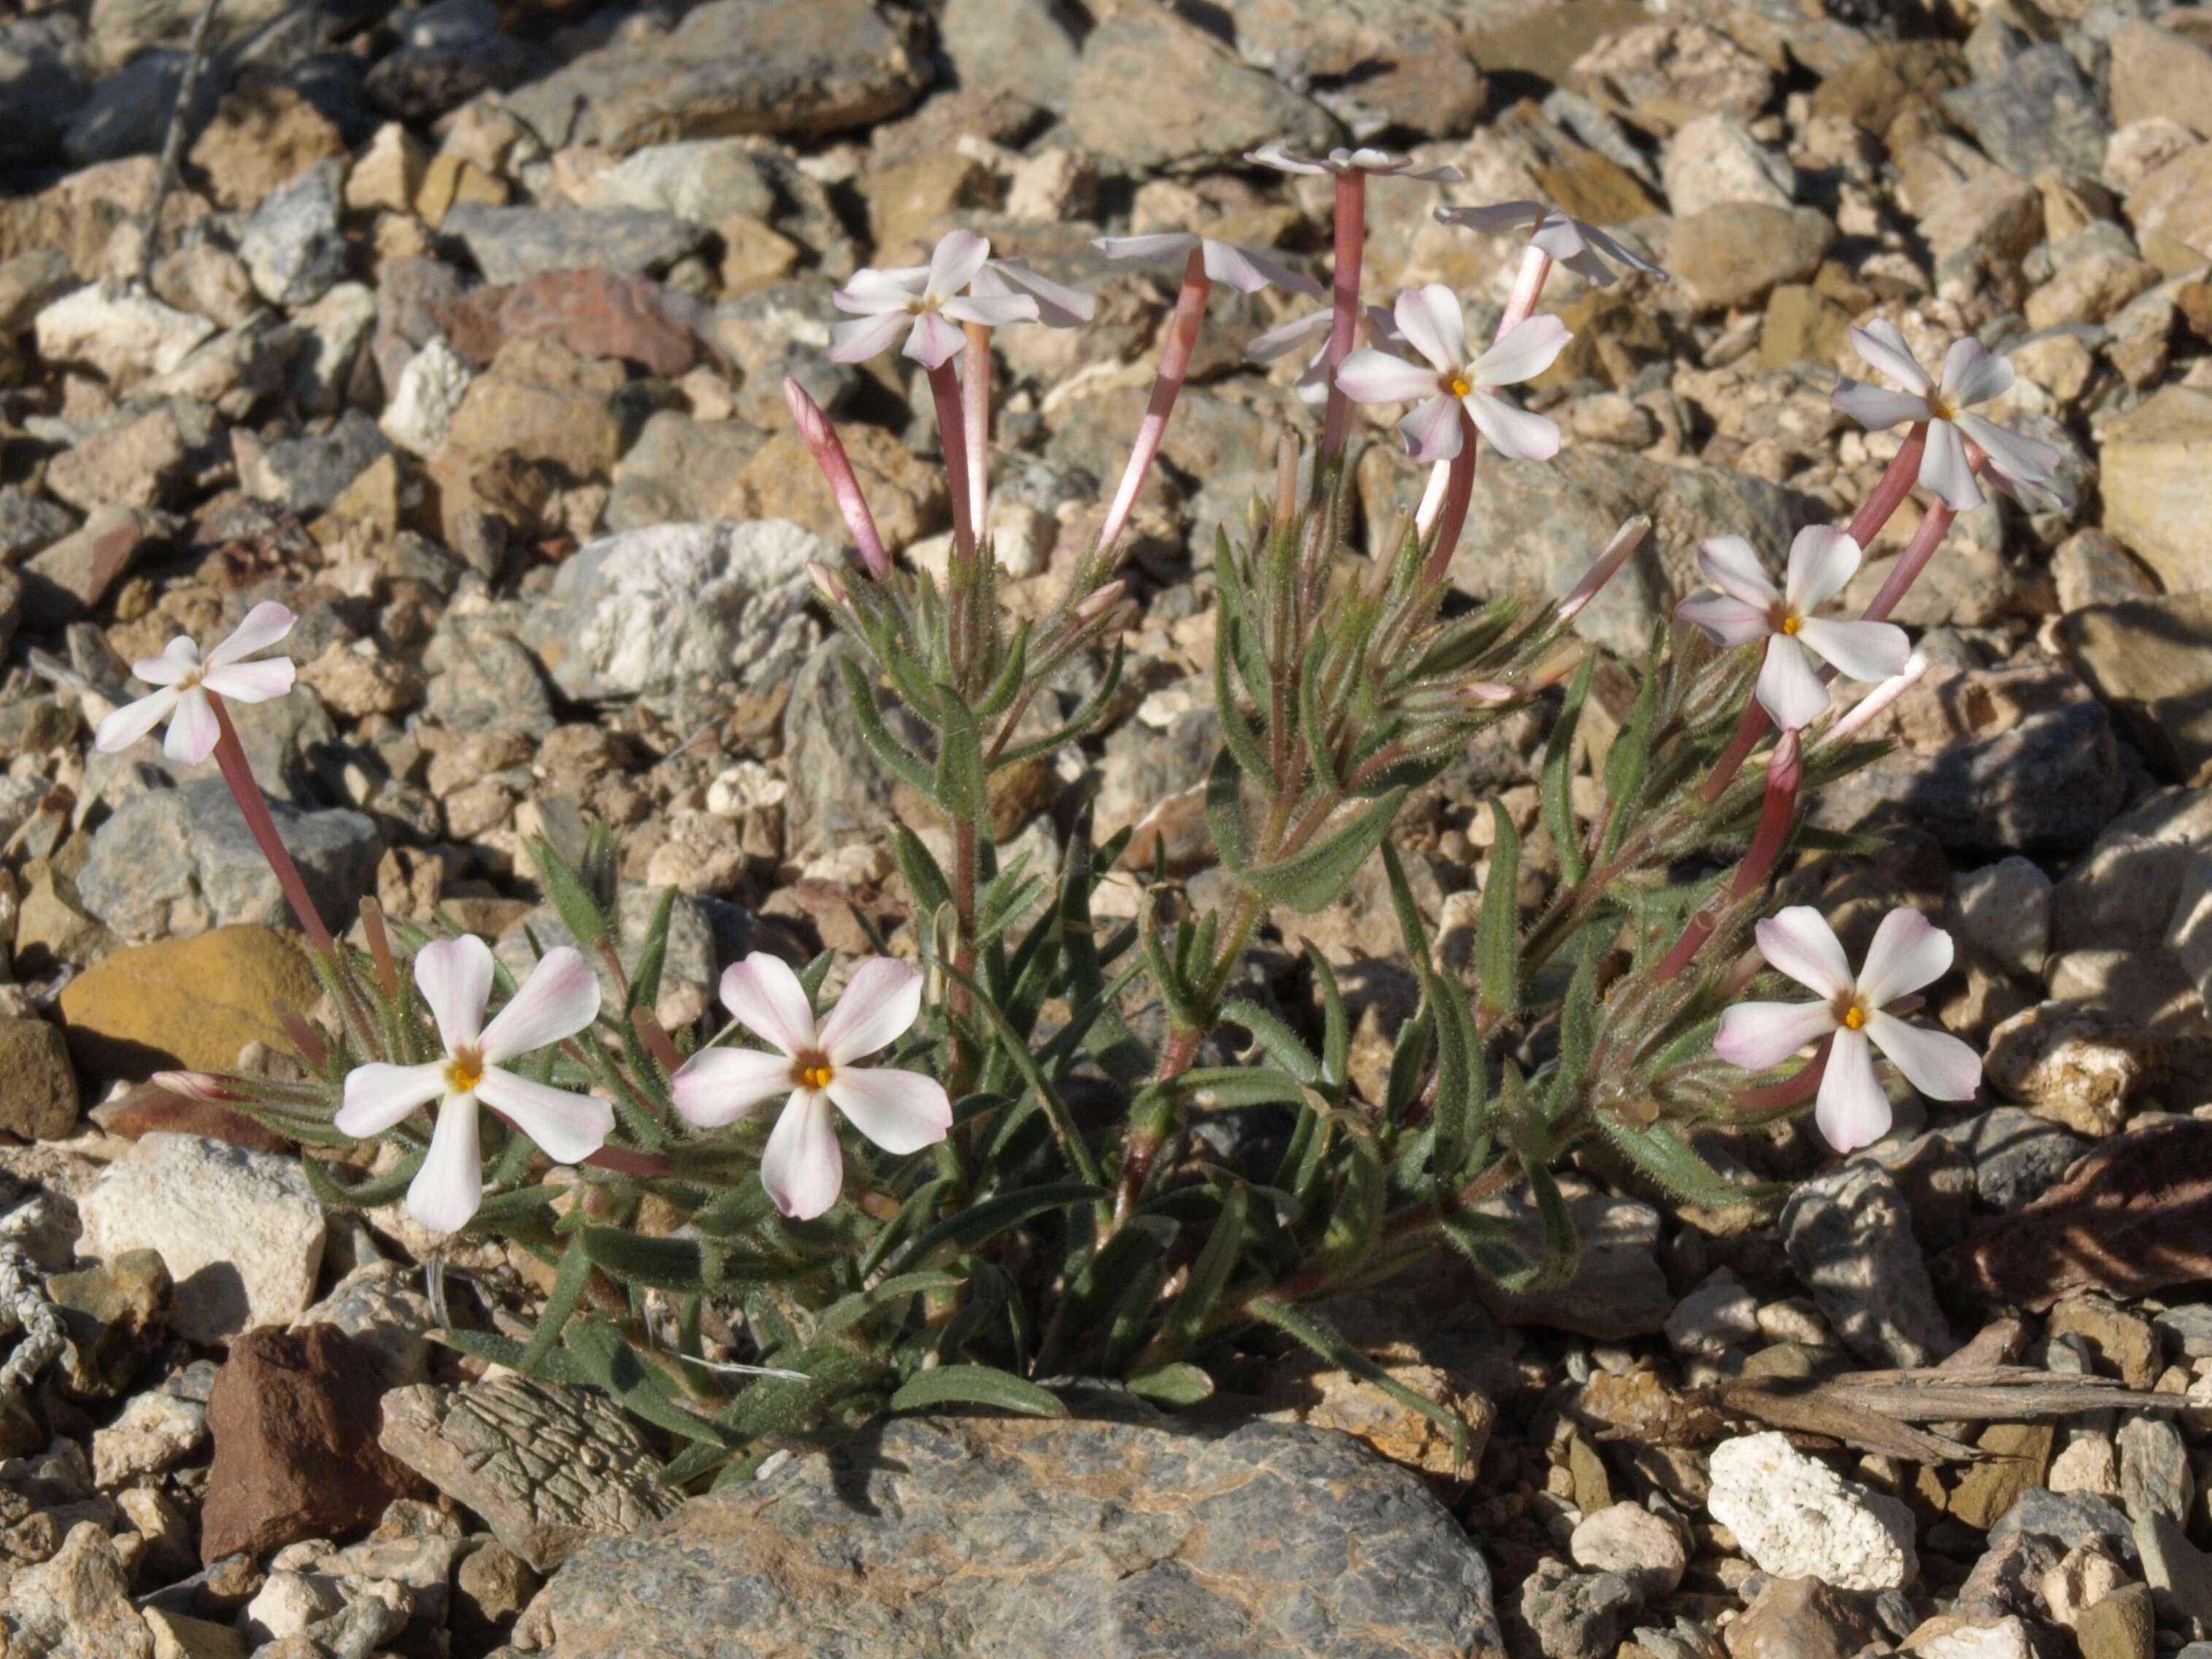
x=985, y=1538
x=548, y=1465
x=514, y=244
x=1849, y=1233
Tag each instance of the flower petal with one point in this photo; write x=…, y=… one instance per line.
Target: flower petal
x=953, y=263
x=194, y=729
x=1431, y=319
x=1513, y=431
x=769, y=1001
x=1853, y=1111
x=1281, y=157
x=872, y=291
x=1877, y=408
x=1859, y=650
x=1248, y=271
x=125, y=725
x=900, y=1111
x=867, y=337
x=179, y=658
x=2012, y=454
x=1530, y=347
x=1368, y=376
x=1615, y=249
x=1058, y=305
x=250, y=681
x=1166, y=245
x=1433, y=431
x=1496, y=218
x=560, y=999
x=265, y=624
x=1973, y=374
x=1788, y=690
x=935, y=338
x=1285, y=339
x=448, y=1187
x=1821, y=560
x=378, y=1096
x=1732, y=564
x=1945, y=472
x=1883, y=344
x=1908, y=951
x=801, y=1166
x=1798, y=943
x=993, y=309
x=1760, y=1036
x=879, y=1005
x=569, y=1128
x=1936, y=1063
x=719, y=1085
x=1725, y=619
x=454, y=976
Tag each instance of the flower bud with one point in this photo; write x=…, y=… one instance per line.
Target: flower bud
x=1097, y=604
x=826, y=583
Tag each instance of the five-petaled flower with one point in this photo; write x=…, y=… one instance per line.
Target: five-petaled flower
x=1246, y=270
x=186, y=683
x=560, y=999
x=1971, y=374
x=925, y=304
x=1582, y=248
x=1908, y=952
x=1429, y=320
x=1374, y=162
x=817, y=1067
x=1748, y=607
x=1312, y=330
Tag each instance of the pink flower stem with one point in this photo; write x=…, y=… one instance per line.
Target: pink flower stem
x=1618, y=551
x=1920, y=549
x=976, y=399
x=1791, y=1091
x=837, y=471
x=1458, y=492
x=1190, y=316
x=1895, y=485
x=230, y=756
x=952, y=437
x=623, y=1160
x=1785, y=775
x=1351, y=243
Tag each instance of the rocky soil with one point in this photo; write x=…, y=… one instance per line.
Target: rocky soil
x=463, y=338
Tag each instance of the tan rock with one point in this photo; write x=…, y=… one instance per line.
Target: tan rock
x=258, y=138
x=387, y=176
x=450, y=179
x=754, y=255
x=2171, y=211
x=906, y=201
x=192, y=1002
x=2155, y=470
x=2019, y=1454
x=780, y=482
x=2157, y=73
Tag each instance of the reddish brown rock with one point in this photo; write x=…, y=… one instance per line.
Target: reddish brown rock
x=294, y=1416
x=595, y=313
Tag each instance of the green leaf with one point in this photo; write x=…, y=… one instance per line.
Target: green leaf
x=1225, y=814
x=1212, y=1087
x=1331, y=1347
x=605, y=1356
x=918, y=867
x=1628, y=759
x=1488, y=1242
x=1312, y=721
x=1336, y=1024
x=1663, y=1157
x=960, y=788
x=975, y=1385
x=967, y=1229
x=1557, y=777
x=1000, y=695
x=1563, y=1250
x=1307, y=880
x=1578, y=1017
x=561, y=1302
x=1409, y=927
x=377, y=1189
x=907, y=766
x=1497, y=932
x=1209, y=1276
x=1282, y=1044
x=652, y=955
x=1179, y=1384
x=849, y=1311
x=572, y=901
x=1243, y=743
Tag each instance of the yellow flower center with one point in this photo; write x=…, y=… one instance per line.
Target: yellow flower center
x=1942, y=407
x=1792, y=624
x=812, y=1072
x=464, y=1071
x=1854, y=1018
x=1461, y=385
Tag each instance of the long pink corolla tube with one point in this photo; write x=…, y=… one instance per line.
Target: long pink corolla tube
x=829, y=451
x=1190, y=316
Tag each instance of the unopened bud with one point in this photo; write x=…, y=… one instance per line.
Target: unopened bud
x=195, y=1085
x=1870, y=707
x=1097, y=604
x=1490, y=694
x=1625, y=540
x=826, y=583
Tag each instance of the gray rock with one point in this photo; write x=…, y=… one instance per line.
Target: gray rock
x=1849, y=1233
x=2178, y=1573
x=1027, y=47
x=679, y=471
x=1734, y=253
x=2154, y=1473
x=29, y=522
x=308, y=474
x=2017, y=1155
x=1565, y=1615
x=2188, y=1327
x=1153, y=90
x=483, y=679
x=293, y=246
x=129, y=111
x=2005, y=908
x=184, y=855
x=240, y=1232
x=2036, y=113
x=382, y=1305
x=791, y=68
x=960, y=1538
x=1564, y=511
x=647, y=610
x=2071, y=1517
x=1650, y=1550
x=42, y=82
x=695, y=949
x=2006, y=1581
x=76, y=1606
x=514, y=244
x=1618, y=1290
x=550, y=1467
x=839, y=792
x=709, y=181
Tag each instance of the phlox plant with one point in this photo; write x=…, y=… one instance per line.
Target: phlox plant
x=972, y=1174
